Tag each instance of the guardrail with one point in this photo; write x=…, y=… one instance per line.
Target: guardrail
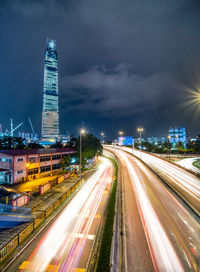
x=6, y=250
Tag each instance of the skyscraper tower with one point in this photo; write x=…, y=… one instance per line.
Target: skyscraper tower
x=50, y=111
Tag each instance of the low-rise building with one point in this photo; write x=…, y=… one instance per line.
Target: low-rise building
x=152, y=140
x=22, y=165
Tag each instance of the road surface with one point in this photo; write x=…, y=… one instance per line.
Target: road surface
x=66, y=243
x=187, y=163
x=186, y=184
x=172, y=240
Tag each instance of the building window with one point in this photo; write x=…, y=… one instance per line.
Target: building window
x=5, y=160
x=20, y=159
x=45, y=169
x=20, y=172
x=33, y=171
x=55, y=157
x=45, y=158
x=56, y=166
x=32, y=159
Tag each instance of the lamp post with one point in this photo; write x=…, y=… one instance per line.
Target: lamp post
x=102, y=135
x=140, y=130
x=120, y=134
x=82, y=131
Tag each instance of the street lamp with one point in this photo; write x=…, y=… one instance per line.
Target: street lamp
x=140, y=130
x=102, y=135
x=82, y=131
x=120, y=133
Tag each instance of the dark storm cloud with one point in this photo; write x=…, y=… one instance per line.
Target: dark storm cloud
x=117, y=92
x=125, y=61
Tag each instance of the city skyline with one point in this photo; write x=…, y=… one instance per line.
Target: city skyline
x=116, y=74
x=99, y=135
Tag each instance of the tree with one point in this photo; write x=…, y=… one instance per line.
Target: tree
x=91, y=147
x=8, y=142
x=34, y=146
x=65, y=162
x=148, y=146
x=56, y=145
x=72, y=141
x=167, y=146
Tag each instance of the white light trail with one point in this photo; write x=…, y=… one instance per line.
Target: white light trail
x=60, y=238
x=182, y=179
x=165, y=257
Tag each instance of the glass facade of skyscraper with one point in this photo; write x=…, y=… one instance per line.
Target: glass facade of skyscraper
x=50, y=112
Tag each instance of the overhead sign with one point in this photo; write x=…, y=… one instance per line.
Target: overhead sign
x=125, y=140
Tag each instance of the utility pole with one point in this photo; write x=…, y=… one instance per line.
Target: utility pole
x=82, y=131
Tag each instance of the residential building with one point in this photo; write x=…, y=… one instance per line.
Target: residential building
x=50, y=112
x=163, y=139
x=22, y=165
x=177, y=134
x=152, y=140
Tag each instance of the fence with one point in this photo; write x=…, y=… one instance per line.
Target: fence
x=52, y=183
x=24, y=234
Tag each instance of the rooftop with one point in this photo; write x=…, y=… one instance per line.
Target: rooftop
x=19, y=152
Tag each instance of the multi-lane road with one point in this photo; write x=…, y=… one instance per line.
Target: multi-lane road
x=67, y=243
x=188, y=164
x=186, y=184
x=160, y=234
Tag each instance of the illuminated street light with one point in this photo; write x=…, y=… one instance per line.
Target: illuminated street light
x=82, y=132
x=121, y=133
x=102, y=135
x=140, y=130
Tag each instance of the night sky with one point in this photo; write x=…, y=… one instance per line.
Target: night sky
x=122, y=63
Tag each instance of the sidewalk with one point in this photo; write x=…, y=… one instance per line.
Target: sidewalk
x=33, y=185
x=41, y=203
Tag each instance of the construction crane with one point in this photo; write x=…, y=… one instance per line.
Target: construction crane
x=34, y=134
x=13, y=129
x=29, y=119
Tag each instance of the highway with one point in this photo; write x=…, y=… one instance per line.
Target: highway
x=186, y=184
x=172, y=240
x=67, y=243
x=187, y=163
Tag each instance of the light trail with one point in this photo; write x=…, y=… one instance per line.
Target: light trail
x=171, y=232
x=62, y=246
x=187, y=163
x=186, y=183
x=162, y=251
